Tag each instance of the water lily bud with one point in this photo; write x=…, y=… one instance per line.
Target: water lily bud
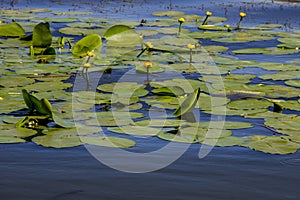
x=181, y=20
x=242, y=14
x=148, y=64
x=87, y=64
x=208, y=13
x=149, y=45
x=191, y=46
x=90, y=53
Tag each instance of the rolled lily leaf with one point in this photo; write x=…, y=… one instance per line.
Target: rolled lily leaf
x=88, y=43
x=188, y=104
x=28, y=102
x=42, y=106
x=41, y=36
x=12, y=30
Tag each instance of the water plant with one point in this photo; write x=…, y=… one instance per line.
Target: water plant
x=242, y=16
x=208, y=14
x=181, y=21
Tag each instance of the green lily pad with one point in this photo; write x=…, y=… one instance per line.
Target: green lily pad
x=178, y=41
x=10, y=130
x=172, y=31
x=223, y=125
x=294, y=83
x=282, y=75
x=108, y=141
x=271, y=144
x=86, y=44
x=12, y=30
x=178, y=138
x=290, y=42
x=169, y=13
x=215, y=48
x=45, y=86
x=161, y=123
x=122, y=36
x=72, y=13
x=13, y=81
x=59, y=138
x=249, y=104
x=136, y=130
x=291, y=123
x=269, y=114
x=212, y=28
x=9, y=139
x=275, y=91
x=224, y=141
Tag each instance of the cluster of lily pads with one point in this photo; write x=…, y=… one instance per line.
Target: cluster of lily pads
x=40, y=55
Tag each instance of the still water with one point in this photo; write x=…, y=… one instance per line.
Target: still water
x=28, y=171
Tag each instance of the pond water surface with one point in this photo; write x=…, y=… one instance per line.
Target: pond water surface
x=29, y=171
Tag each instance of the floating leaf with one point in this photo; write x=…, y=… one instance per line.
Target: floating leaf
x=291, y=123
x=59, y=138
x=249, y=104
x=9, y=139
x=271, y=144
x=170, y=13
x=121, y=35
x=136, y=130
x=12, y=30
x=108, y=141
x=224, y=141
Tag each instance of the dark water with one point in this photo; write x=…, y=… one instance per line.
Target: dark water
x=31, y=172
x=28, y=171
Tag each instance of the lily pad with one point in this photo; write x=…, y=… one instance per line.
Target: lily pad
x=224, y=141
x=12, y=30
x=59, y=138
x=136, y=130
x=108, y=141
x=291, y=123
x=9, y=139
x=249, y=104
x=122, y=36
x=271, y=144
x=169, y=13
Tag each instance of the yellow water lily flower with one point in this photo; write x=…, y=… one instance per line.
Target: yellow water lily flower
x=87, y=64
x=147, y=64
x=90, y=53
x=242, y=14
x=181, y=20
x=149, y=45
x=208, y=13
x=191, y=46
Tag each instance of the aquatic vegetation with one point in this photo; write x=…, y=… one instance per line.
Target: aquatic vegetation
x=40, y=103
